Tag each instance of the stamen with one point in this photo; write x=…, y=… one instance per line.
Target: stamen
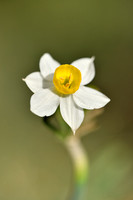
x=67, y=84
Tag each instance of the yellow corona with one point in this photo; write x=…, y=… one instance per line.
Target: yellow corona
x=67, y=79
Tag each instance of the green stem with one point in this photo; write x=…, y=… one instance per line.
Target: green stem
x=80, y=166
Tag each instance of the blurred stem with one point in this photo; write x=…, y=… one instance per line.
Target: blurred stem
x=80, y=166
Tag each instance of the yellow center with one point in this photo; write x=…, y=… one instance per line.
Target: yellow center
x=67, y=79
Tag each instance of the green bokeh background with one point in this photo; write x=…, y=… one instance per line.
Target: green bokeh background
x=34, y=165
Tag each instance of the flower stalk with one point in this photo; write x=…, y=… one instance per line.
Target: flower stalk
x=80, y=166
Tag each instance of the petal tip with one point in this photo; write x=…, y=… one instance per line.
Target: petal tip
x=44, y=55
x=36, y=113
x=93, y=58
x=23, y=79
x=74, y=131
x=108, y=100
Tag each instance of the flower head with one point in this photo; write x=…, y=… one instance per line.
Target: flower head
x=63, y=85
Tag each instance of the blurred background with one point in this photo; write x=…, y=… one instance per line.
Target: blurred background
x=34, y=165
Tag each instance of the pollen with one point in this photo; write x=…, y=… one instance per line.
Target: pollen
x=67, y=79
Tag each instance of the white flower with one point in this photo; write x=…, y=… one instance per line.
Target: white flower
x=63, y=85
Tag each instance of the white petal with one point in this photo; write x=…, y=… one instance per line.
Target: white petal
x=89, y=98
x=47, y=84
x=34, y=81
x=44, y=102
x=48, y=65
x=71, y=113
x=87, y=69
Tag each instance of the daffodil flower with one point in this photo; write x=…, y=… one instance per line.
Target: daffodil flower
x=64, y=85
